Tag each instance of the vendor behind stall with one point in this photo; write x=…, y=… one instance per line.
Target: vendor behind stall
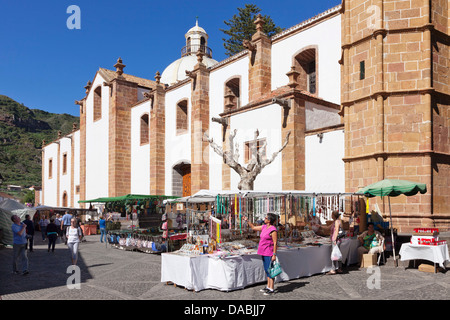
x=371, y=241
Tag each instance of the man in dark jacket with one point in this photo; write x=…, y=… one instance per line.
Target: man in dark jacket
x=30, y=232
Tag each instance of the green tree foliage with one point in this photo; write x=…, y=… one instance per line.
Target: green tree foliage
x=29, y=197
x=21, y=133
x=241, y=27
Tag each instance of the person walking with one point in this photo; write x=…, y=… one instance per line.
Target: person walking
x=336, y=232
x=73, y=236
x=19, y=245
x=102, y=226
x=267, y=247
x=30, y=233
x=58, y=223
x=65, y=223
x=43, y=226
x=52, y=234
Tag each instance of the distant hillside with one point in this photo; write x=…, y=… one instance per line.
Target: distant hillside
x=21, y=133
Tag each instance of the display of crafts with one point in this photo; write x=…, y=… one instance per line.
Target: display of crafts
x=223, y=249
x=310, y=238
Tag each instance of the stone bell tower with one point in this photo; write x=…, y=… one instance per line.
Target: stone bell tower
x=395, y=102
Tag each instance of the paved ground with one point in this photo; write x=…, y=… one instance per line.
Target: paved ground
x=112, y=274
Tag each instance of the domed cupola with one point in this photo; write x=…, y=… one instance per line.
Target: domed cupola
x=196, y=39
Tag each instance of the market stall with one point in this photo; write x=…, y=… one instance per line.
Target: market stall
x=236, y=271
x=425, y=245
x=133, y=221
x=220, y=249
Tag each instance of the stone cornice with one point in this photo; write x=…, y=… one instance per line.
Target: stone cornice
x=386, y=94
x=291, y=93
x=387, y=154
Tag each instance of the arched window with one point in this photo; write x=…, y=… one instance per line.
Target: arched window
x=98, y=103
x=144, y=129
x=182, y=117
x=306, y=63
x=232, y=94
x=64, y=199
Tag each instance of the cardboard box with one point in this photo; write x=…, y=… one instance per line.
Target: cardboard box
x=369, y=260
x=428, y=268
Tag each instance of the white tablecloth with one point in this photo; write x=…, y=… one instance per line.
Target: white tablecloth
x=436, y=254
x=237, y=272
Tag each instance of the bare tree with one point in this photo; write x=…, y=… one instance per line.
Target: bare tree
x=256, y=164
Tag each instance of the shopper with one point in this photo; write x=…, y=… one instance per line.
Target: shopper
x=336, y=231
x=52, y=234
x=43, y=226
x=267, y=248
x=30, y=233
x=58, y=220
x=73, y=236
x=102, y=226
x=65, y=223
x=19, y=245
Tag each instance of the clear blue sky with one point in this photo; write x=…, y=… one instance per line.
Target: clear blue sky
x=45, y=65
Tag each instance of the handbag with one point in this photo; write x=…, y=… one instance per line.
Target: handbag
x=275, y=269
x=336, y=254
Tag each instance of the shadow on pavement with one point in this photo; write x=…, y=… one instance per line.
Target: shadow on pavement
x=46, y=269
x=290, y=286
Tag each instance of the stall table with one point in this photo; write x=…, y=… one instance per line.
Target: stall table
x=436, y=254
x=239, y=271
x=89, y=229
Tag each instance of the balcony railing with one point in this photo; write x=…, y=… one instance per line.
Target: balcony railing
x=193, y=48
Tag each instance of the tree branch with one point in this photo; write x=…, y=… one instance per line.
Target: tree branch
x=274, y=155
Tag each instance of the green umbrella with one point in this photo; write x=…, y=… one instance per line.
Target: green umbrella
x=393, y=188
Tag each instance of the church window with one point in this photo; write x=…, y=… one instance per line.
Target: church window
x=50, y=168
x=311, y=75
x=260, y=143
x=64, y=166
x=232, y=94
x=182, y=117
x=64, y=199
x=306, y=63
x=144, y=129
x=362, y=70
x=98, y=103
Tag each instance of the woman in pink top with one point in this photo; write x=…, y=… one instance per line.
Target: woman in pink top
x=267, y=247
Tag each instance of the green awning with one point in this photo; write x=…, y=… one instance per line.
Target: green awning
x=393, y=188
x=127, y=197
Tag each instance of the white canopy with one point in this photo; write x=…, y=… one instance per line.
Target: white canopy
x=210, y=195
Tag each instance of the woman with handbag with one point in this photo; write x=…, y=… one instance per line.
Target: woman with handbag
x=73, y=235
x=267, y=247
x=336, y=234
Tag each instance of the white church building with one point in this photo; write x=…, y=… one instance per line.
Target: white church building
x=143, y=136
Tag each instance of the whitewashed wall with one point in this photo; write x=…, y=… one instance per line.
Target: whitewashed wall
x=140, y=154
x=50, y=185
x=65, y=178
x=76, y=172
x=218, y=78
x=268, y=121
x=327, y=36
x=178, y=147
x=97, y=148
x=318, y=116
x=325, y=170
